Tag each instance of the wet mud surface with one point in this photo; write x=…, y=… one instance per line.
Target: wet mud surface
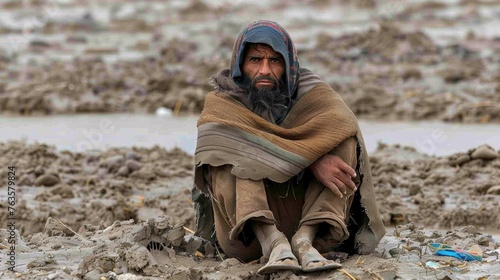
x=127, y=214
x=389, y=60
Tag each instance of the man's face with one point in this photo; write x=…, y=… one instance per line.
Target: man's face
x=263, y=66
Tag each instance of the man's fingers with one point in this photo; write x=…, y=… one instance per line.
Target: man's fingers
x=334, y=189
x=349, y=170
x=345, y=167
x=340, y=185
x=350, y=184
x=346, y=180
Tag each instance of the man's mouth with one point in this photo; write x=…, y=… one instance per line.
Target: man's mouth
x=265, y=82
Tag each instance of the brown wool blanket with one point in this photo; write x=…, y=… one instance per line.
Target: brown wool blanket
x=229, y=133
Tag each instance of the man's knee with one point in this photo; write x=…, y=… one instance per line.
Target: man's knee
x=347, y=151
x=222, y=181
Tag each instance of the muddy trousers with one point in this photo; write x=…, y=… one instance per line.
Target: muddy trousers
x=288, y=205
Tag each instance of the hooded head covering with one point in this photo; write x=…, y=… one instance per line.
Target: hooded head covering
x=272, y=34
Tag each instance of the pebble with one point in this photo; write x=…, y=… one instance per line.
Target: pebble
x=47, y=180
x=27, y=180
x=494, y=190
x=163, y=112
x=483, y=240
x=461, y=160
x=93, y=275
x=39, y=170
x=106, y=263
x=227, y=263
x=57, y=246
x=209, y=250
x=193, y=244
x=414, y=189
x=123, y=171
x=175, y=236
x=484, y=152
x=66, y=270
x=112, y=161
x=133, y=165
x=132, y=155
x=53, y=276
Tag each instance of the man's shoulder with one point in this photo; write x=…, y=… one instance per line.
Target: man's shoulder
x=307, y=81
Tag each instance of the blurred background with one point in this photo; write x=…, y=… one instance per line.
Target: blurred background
x=92, y=74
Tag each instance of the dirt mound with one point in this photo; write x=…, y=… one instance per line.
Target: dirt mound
x=442, y=192
x=386, y=42
x=173, y=78
x=95, y=187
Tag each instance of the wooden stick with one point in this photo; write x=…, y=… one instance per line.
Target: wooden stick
x=177, y=108
x=347, y=273
x=188, y=230
x=81, y=237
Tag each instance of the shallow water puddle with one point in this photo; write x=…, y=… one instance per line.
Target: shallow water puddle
x=86, y=132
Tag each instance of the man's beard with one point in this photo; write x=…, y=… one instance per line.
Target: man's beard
x=267, y=100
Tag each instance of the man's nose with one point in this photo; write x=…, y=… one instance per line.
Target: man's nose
x=264, y=68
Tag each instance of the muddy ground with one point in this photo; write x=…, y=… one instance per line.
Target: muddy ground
x=126, y=213
x=405, y=60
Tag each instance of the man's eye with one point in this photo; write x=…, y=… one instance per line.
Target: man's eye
x=254, y=59
x=275, y=60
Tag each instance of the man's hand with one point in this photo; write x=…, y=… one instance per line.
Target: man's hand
x=334, y=173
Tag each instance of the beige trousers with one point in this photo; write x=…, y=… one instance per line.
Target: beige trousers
x=288, y=205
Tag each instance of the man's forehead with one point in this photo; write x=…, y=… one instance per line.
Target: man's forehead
x=260, y=47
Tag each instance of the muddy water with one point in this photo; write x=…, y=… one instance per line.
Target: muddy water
x=85, y=132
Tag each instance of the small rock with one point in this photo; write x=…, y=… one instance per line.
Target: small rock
x=495, y=190
x=163, y=112
x=55, y=228
x=461, y=160
x=47, y=180
x=41, y=262
x=53, y=276
x=112, y=276
x=39, y=170
x=113, y=236
x=193, y=244
x=133, y=165
x=27, y=180
x=56, y=246
x=93, y=275
x=352, y=53
x=133, y=156
x=209, y=250
x=159, y=224
x=414, y=189
x=227, y=263
x=123, y=171
x=484, y=152
x=66, y=270
x=467, y=229
x=175, y=236
x=106, y=264
x=112, y=163
x=483, y=240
